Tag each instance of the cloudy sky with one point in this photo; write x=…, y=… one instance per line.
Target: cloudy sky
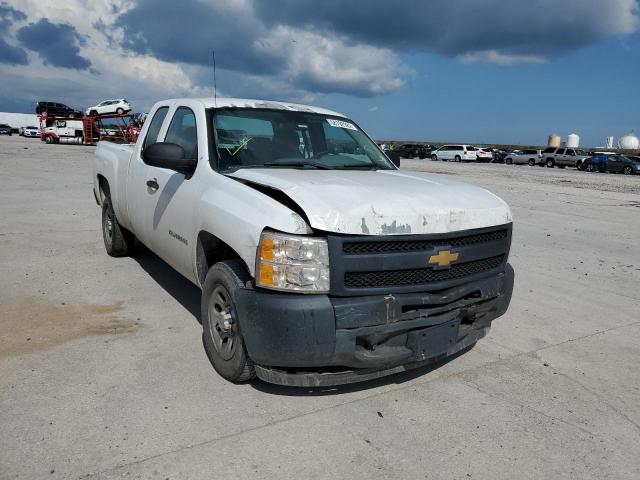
x=450, y=70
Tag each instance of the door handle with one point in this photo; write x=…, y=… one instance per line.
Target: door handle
x=153, y=184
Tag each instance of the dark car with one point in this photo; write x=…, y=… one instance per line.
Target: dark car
x=53, y=109
x=411, y=150
x=5, y=129
x=613, y=164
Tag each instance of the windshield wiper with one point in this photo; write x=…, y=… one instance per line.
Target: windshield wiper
x=298, y=164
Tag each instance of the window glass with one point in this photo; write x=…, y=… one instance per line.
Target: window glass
x=471, y=149
x=248, y=138
x=182, y=131
x=154, y=127
x=560, y=151
x=570, y=152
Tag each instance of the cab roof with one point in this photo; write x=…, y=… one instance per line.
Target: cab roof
x=223, y=102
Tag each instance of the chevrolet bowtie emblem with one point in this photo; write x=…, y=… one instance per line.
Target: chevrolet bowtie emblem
x=444, y=258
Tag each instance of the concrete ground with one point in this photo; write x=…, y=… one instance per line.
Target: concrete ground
x=103, y=374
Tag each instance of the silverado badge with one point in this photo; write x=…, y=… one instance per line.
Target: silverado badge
x=444, y=258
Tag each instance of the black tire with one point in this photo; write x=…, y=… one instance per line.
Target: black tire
x=93, y=113
x=224, y=344
x=434, y=158
x=531, y=162
x=457, y=158
x=550, y=163
x=627, y=170
x=72, y=115
x=579, y=166
x=119, y=111
x=44, y=114
x=48, y=139
x=118, y=242
x=589, y=168
x=509, y=161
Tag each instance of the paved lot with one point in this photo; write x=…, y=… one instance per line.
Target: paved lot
x=103, y=374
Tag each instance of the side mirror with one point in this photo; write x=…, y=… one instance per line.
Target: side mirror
x=394, y=157
x=170, y=156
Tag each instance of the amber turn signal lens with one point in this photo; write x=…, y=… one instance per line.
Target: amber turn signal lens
x=266, y=248
x=266, y=275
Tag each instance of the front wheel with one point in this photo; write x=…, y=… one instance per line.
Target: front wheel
x=589, y=168
x=457, y=158
x=119, y=111
x=627, y=170
x=550, y=163
x=509, y=161
x=434, y=158
x=531, y=162
x=48, y=139
x=221, y=329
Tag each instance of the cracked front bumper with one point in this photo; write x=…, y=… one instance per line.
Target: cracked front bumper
x=309, y=340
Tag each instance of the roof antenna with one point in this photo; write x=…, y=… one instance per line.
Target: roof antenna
x=215, y=86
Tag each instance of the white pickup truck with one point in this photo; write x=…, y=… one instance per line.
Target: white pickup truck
x=320, y=262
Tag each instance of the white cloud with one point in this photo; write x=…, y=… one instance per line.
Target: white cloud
x=498, y=58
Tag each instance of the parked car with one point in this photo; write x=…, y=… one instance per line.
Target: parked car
x=54, y=109
x=5, y=129
x=118, y=106
x=484, y=155
x=31, y=132
x=613, y=164
x=301, y=285
x=525, y=157
x=411, y=150
x=457, y=153
x=564, y=157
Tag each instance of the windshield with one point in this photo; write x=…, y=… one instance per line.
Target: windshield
x=253, y=138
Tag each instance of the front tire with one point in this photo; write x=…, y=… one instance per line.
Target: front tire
x=589, y=168
x=531, y=162
x=550, y=163
x=434, y=158
x=509, y=161
x=118, y=241
x=119, y=111
x=627, y=170
x=48, y=139
x=221, y=329
x=457, y=158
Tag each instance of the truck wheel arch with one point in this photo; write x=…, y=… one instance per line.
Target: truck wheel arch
x=104, y=191
x=211, y=250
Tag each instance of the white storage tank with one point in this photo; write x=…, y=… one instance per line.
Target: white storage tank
x=609, y=142
x=629, y=142
x=573, y=141
x=554, y=140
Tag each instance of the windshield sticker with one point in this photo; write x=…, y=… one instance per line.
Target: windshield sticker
x=341, y=124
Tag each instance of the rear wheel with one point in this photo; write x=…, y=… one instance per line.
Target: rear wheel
x=119, y=111
x=93, y=113
x=589, y=168
x=509, y=161
x=434, y=158
x=48, y=139
x=627, y=170
x=531, y=162
x=118, y=241
x=550, y=163
x=221, y=330
x=457, y=158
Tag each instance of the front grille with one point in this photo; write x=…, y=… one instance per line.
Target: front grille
x=418, y=276
x=390, y=246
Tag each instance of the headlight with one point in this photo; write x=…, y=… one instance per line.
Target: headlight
x=292, y=262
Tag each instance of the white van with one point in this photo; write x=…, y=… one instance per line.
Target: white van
x=457, y=153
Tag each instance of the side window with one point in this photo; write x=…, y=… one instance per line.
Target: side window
x=571, y=152
x=182, y=131
x=154, y=127
x=560, y=151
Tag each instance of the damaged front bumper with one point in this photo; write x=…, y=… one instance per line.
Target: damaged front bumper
x=317, y=340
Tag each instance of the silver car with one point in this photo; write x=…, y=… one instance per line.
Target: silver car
x=564, y=157
x=525, y=157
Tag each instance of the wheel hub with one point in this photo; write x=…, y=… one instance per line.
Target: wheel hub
x=221, y=323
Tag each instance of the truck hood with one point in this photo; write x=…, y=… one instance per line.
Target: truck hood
x=383, y=202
